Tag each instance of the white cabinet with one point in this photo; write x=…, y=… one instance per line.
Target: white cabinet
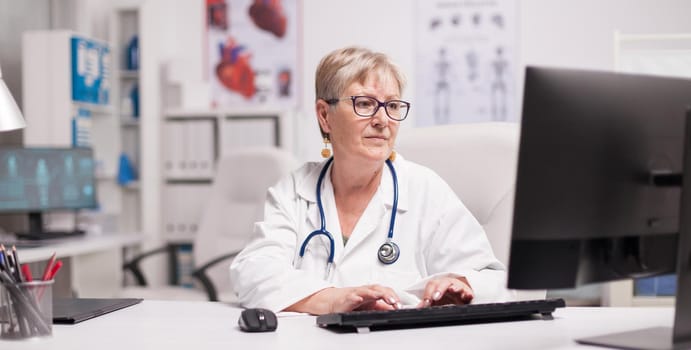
x=67, y=86
x=66, y=76
x=73, y=96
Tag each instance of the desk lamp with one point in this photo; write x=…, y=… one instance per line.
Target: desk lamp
x=10, y=115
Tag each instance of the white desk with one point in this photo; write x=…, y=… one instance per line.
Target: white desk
x=205, y=325
x=92, y=263
x=87, y=244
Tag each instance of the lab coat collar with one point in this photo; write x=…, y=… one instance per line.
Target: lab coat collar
x=307, y=186
x=307, y=189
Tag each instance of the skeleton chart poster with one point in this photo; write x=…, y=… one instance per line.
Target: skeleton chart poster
x=466, y=61
x=253, y=52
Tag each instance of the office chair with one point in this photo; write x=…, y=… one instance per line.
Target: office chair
x=478, y=161
x=236, y=202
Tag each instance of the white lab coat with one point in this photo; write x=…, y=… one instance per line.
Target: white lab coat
x=436, y=233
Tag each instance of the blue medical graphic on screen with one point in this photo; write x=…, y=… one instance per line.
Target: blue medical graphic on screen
x=42, y=179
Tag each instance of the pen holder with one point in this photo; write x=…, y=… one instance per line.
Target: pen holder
x=26, y=310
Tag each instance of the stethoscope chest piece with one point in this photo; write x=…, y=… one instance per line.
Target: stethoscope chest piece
x=388, y=253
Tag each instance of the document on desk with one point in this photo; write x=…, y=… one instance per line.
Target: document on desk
x=291, y=314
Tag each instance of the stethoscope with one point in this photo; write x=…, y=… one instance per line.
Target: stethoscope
x=388, y=252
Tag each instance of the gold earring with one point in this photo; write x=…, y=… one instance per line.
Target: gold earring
x=326, y=152
x=392, y=156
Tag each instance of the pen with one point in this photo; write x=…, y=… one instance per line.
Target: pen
x=17, y=273
x=10, y=266
x=49, y=273
x=54, y=270
x=3, y=253
x=27, y=273
x=49, y=265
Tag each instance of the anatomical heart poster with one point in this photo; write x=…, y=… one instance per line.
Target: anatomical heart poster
x=253, y=53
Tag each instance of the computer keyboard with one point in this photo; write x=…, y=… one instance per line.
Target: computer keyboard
x=363, y=321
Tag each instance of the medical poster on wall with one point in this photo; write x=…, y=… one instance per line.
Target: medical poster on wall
x=90, y=71
x=253, y=53
x=466, y=61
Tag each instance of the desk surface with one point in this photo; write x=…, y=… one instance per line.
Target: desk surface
x=206, y=325
x=88, y=243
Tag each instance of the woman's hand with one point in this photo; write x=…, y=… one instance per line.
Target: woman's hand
x=330, y=300
x=447, y=290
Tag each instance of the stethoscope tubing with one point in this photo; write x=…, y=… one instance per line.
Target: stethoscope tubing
x=395, y=199
x=322, y=229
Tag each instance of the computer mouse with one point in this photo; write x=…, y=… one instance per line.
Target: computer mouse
x=257, y=320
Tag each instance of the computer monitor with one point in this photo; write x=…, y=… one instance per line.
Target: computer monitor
x=39, y=180
x=599, y=193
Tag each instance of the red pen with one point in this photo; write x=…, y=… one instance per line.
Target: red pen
x=49, y=274
x=54, y=270
x=49, y=265
x=27, y=273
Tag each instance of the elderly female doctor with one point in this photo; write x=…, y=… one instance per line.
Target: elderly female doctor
x=364, y=229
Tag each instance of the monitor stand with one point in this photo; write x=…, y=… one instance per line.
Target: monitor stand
x=37, y=231
x=679, y=336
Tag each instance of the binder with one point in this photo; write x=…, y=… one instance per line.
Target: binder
x=184, y=165
x=247, y=132
x=175, y=165
x=190, y=150
x=204, y=148
x=183, y=207
x=169, y=151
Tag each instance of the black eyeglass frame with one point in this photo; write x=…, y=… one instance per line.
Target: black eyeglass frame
x=333, y=101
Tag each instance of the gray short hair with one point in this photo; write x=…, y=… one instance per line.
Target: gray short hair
x=342, y=67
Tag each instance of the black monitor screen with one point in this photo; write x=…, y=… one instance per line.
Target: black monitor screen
x=590, y=144
x=599, y=183
x=46, y=179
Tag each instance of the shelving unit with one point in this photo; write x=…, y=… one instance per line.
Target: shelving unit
x=193, y=141
x=124, y=29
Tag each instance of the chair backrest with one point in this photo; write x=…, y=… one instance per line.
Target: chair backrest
x=478, y=161
x=236, y=202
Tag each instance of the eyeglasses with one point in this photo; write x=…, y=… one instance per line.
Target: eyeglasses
x=365, y=106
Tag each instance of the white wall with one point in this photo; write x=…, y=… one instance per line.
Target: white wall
x=328, y=25
x=563, y=33
x=579, y=33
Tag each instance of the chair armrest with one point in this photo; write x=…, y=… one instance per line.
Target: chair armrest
x=133, y=265
x=200, y=274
